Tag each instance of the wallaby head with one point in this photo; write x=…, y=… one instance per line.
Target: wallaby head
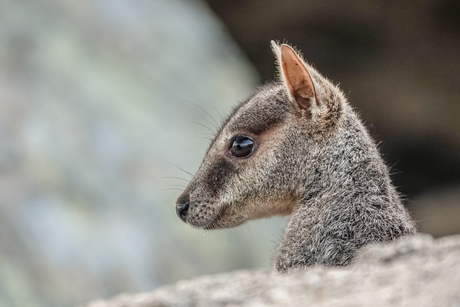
x=296, y=147
x=257, y=165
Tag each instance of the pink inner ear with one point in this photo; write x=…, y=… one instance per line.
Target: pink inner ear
x=297, y=77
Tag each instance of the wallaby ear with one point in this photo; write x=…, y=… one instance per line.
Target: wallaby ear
x=296, y=77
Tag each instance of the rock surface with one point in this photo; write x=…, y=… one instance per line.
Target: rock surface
x=413, y=271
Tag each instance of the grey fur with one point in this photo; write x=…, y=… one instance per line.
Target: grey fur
x=322, y=168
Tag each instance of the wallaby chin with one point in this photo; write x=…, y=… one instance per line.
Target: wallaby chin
x=297, y=148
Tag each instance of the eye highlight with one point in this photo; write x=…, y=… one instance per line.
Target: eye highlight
x=241, y=146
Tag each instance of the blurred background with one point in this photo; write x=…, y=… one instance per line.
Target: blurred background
x=103, y=103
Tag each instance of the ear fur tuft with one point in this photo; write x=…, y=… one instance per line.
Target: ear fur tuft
x=277, y=52
x=276, y=48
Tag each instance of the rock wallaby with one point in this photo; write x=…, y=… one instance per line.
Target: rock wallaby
x=296, y=147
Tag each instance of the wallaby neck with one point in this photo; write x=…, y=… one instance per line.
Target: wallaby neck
x=348, y=203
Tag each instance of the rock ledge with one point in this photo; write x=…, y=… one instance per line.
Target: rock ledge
x=412, y=271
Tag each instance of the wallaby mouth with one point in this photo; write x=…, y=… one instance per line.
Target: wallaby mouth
x=205, y=213
x=196, y=211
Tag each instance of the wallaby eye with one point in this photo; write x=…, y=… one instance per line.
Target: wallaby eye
x=241, y=146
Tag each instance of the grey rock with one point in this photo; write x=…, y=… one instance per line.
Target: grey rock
x=411, y=271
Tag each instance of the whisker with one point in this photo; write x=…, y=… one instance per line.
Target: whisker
x=175, y=189
x=188, y=173
x=192, y=121
x=250, y=230
x=169, y=177
x=217, y=125
x=202, y=137
x=207, y=133
x=212, y=124
x=220, y=115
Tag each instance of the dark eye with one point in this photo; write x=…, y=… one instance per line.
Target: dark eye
x=241, y=146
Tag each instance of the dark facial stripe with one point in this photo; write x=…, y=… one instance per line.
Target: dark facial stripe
x=217, y=176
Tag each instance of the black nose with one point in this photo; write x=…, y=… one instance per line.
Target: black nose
x=182, y=207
